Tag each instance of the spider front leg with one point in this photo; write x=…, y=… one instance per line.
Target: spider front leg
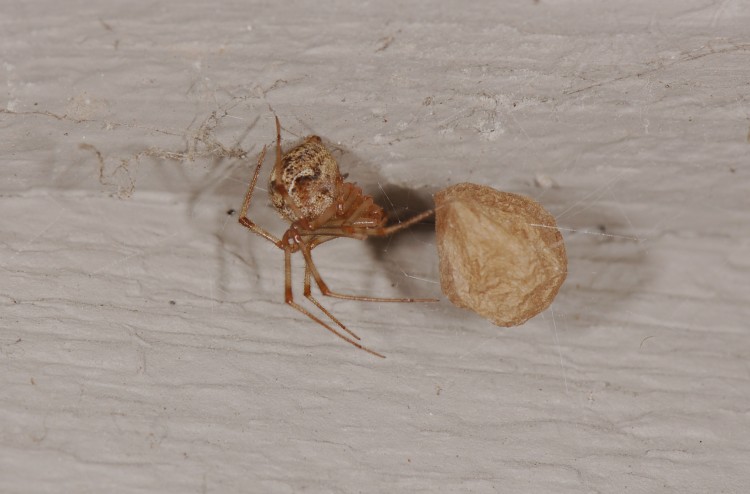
x=244, y=220
x=289, y=299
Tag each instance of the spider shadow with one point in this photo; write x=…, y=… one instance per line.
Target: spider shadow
x=609, y=266
x=409, y=255
x=401, y=203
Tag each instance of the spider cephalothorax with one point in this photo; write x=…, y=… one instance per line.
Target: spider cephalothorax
x=308, y=190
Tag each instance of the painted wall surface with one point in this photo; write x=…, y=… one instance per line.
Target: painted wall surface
x=144, y=341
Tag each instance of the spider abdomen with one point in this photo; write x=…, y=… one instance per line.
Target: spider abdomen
x=308, y=177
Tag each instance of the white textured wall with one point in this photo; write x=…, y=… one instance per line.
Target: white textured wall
x=144, y=344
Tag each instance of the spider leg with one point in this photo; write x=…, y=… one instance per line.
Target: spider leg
x=278, y=143
x=363, y=231
x=289, y=299
x=329, y=293
x=388, y=230
x=308, y=295
x=244, y=220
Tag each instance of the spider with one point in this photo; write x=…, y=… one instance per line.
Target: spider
x=308, y=191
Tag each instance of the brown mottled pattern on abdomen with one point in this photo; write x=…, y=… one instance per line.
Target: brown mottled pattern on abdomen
x=310, y=175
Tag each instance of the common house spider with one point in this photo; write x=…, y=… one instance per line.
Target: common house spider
x=308, y=191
